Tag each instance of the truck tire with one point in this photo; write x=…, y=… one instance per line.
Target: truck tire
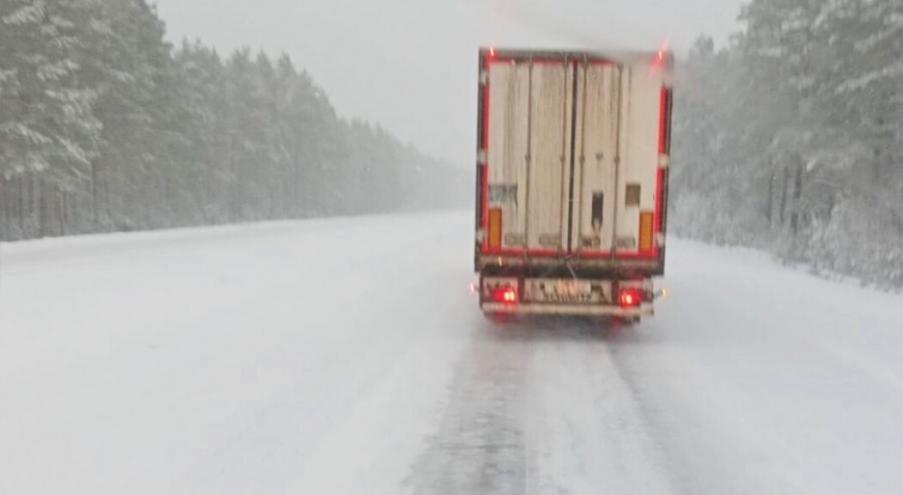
x=624, y=322
x=498, y=319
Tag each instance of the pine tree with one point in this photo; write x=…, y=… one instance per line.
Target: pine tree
x=46, y=122
x=799, y=120
x=104, y=127
x=48, y=130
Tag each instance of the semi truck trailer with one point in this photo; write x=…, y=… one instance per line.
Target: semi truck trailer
x=572, y=181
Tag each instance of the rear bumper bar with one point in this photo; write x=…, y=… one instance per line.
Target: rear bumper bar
x=567, y=310
x=517, y=264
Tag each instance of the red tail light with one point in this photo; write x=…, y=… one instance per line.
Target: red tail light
x=506, y=295
x=630, y=298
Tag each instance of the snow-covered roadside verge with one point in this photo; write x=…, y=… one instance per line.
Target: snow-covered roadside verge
x=243, y=359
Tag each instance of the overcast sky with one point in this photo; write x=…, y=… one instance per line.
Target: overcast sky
x=410, y=65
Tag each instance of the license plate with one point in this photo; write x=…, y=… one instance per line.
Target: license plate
x=562, y=291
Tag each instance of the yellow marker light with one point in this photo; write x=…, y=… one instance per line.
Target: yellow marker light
x=495, y=228
x=646, y=226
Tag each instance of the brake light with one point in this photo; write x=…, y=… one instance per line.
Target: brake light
x=630, y=298
x=506, y=295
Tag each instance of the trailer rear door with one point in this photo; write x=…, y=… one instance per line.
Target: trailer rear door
x=529, y=118
x=573, y=151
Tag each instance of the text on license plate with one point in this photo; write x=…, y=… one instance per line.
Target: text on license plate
x=568, y=291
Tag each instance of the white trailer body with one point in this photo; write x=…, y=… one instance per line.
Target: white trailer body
x=573, y=156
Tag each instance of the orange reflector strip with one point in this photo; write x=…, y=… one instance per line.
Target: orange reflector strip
x=646, y=225
x=495, y=228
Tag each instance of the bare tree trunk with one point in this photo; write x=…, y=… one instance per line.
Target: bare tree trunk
x=797, y=200
x=42, y=208
x=64, y=222
x=4, y=209
x=769, y=205
x=95, y=215
x=782, y=214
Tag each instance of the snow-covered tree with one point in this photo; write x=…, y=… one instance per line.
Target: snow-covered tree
x=808, y=96
x=46, y=120
x=103, y=126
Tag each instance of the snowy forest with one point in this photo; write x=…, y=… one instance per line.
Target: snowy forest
x=790, y=138
x=104, y=126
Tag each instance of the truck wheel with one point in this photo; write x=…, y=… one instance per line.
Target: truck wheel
x=624, y=322
x=497, y=318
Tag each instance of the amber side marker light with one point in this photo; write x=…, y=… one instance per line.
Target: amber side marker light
x=495, y=228
x=647, y=224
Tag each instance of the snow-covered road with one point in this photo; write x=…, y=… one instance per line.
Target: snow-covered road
x=347, y=356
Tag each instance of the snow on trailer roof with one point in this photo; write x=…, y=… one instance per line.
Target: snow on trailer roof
x=664, y=56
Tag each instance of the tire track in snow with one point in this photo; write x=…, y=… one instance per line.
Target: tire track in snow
x=587, y=434
x=540, y=408
x=479, y=446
